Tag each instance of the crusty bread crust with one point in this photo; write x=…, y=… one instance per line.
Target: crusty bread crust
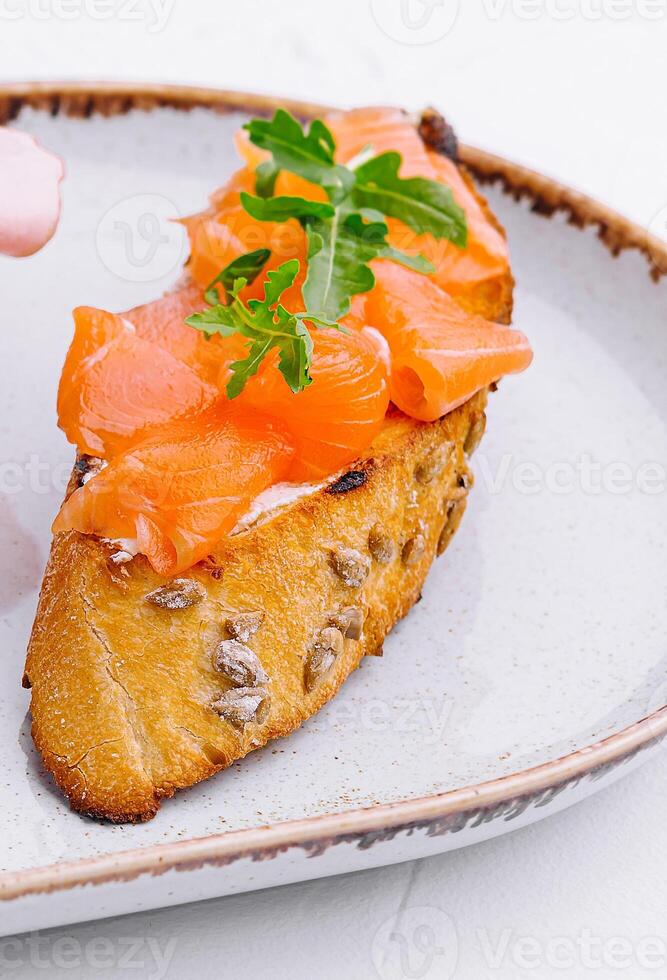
x=123, y=689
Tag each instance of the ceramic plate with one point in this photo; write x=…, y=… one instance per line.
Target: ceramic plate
x=532, y=673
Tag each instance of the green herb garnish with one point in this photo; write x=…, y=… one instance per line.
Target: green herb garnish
x=349, y=232
x=424, y=205
x=344, y=235
x=282, y=208
x=267, y=325
x=307, y=153
x=246, y=267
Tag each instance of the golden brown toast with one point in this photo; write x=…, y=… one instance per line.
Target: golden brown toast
x=141, y=687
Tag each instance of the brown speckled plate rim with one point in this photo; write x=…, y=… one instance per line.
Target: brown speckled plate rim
x=437, y=814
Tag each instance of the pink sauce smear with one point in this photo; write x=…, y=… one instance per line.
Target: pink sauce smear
x=29, y=193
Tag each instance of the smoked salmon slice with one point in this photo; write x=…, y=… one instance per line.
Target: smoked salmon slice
x=440, y=355
x=226, y=230
x=457, y=270
x=336, y=418
x=147, y=392
x=481, y=267
x=214, y=244
x=175, y=494
x=116, y=385
x=162, y=322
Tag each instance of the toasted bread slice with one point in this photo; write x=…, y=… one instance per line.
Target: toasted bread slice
x=141, y=687
x=123, y=668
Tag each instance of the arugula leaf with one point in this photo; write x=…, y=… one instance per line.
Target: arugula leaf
x=424, y=205
x=339, y=250
x=338, y=257
x=247, y=266
x=344, y=236
x=282, y=208
x=216, y=319
x=268, y=326
x=308, y=154
x=265, y=178
x=293, y=342
x=419, y=263
x=337, y=265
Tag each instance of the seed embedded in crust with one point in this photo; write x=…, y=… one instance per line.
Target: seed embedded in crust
x=180, y=593
x=453, y=513
x=413, y=550
x=244, y=625
x=380, y=544
x=239, y=664
x=350, y=566
x=349, y=621
x=327, y=647
x=432, y=464
x=243, y=705
x=475, y=433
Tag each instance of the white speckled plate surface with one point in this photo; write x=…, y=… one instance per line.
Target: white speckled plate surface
x=541, y=632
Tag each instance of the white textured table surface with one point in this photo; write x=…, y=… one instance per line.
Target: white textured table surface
x=575, y=88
